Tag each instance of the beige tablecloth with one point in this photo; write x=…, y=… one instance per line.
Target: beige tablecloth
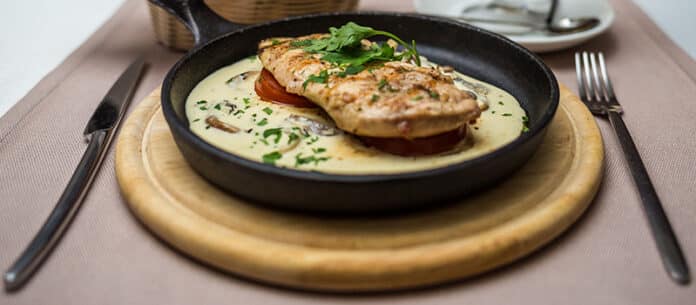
x=107, y=257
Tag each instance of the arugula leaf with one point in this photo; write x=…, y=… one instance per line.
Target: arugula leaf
x=346, y=40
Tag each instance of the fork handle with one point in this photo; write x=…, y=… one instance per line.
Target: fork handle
x=666, y=241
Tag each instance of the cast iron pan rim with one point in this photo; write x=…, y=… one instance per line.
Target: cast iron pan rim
x=183, y=130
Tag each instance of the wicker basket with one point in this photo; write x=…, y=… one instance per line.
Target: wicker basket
x=172, y=33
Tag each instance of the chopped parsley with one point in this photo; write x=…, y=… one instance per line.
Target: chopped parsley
x=381, y=84
x=262, y=122
x=196, y=120
x=201, y=102
x=374, y=98
x=246, y=101
x=272, y=157
x=217, y=107
x=434, y=95
x=273, y=132
x=301, y=43
x=203, y=108
x=320, y=78
x=300, y=160
x=293, y=137
x=417, y=98
x=525, y=123
x=252, y=58
x=507, y=114
x=240, y=111
x=274, y=41
x=501, y=103
x=318, y=150
x=312, y=140
x=267, y=110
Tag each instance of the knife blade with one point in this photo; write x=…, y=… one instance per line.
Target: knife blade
x=99, y=132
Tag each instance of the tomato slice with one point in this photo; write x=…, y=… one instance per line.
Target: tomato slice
x=268, y=89
x=418, y=146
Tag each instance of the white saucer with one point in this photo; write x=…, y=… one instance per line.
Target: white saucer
x=536, y=41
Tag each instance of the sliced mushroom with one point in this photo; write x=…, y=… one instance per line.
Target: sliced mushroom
x=313, y=126
x=239, y=78
x=216, y=123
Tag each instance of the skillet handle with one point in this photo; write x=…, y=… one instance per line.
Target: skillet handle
x=203, y=23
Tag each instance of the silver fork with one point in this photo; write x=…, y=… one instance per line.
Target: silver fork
x=597, y=93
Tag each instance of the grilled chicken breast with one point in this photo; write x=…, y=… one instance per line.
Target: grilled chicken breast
x=393, y=100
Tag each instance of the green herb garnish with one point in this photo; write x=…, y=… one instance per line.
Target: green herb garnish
x=274, y=41
x=252, y=58
x=318, y=150
x=272, y=157
x=343, y=46
x=507, y=114
x=301, y=43
x=217, y=107
x=350, y=70
x=374, y=98
x=201, y=102
x=299, y=160
x=381, y=84
x=267, y=110
x=240, y=111
x=312, y=140
x=203, y=108
x=417, y=98
x=320, y=78
x=262, y=122
x=273, y=132
x=293, y=137
x=196, y=120
x=434, y=95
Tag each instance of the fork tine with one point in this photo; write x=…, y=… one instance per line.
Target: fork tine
x=599, y=92
x=605, y=77
x=588, y=78
x=578, y=70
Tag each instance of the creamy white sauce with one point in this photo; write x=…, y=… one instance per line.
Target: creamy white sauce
x=236, y=103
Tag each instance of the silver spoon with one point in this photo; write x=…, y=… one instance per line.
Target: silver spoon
x=565, y=25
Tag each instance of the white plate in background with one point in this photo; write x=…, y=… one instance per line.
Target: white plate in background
x=535, y=41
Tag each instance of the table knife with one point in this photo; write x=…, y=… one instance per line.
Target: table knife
x=99, y=132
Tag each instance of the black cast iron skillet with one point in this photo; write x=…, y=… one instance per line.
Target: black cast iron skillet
x=471, y=50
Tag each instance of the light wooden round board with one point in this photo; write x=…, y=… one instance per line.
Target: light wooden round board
x=465, y=238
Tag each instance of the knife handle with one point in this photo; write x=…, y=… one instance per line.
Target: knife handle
x=62, y=213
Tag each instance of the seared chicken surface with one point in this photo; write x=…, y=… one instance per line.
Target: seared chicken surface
x=390, y=100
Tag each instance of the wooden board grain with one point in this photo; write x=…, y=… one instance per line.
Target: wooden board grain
x=465, y=238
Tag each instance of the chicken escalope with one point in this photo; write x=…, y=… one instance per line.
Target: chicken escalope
x=389, y=100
